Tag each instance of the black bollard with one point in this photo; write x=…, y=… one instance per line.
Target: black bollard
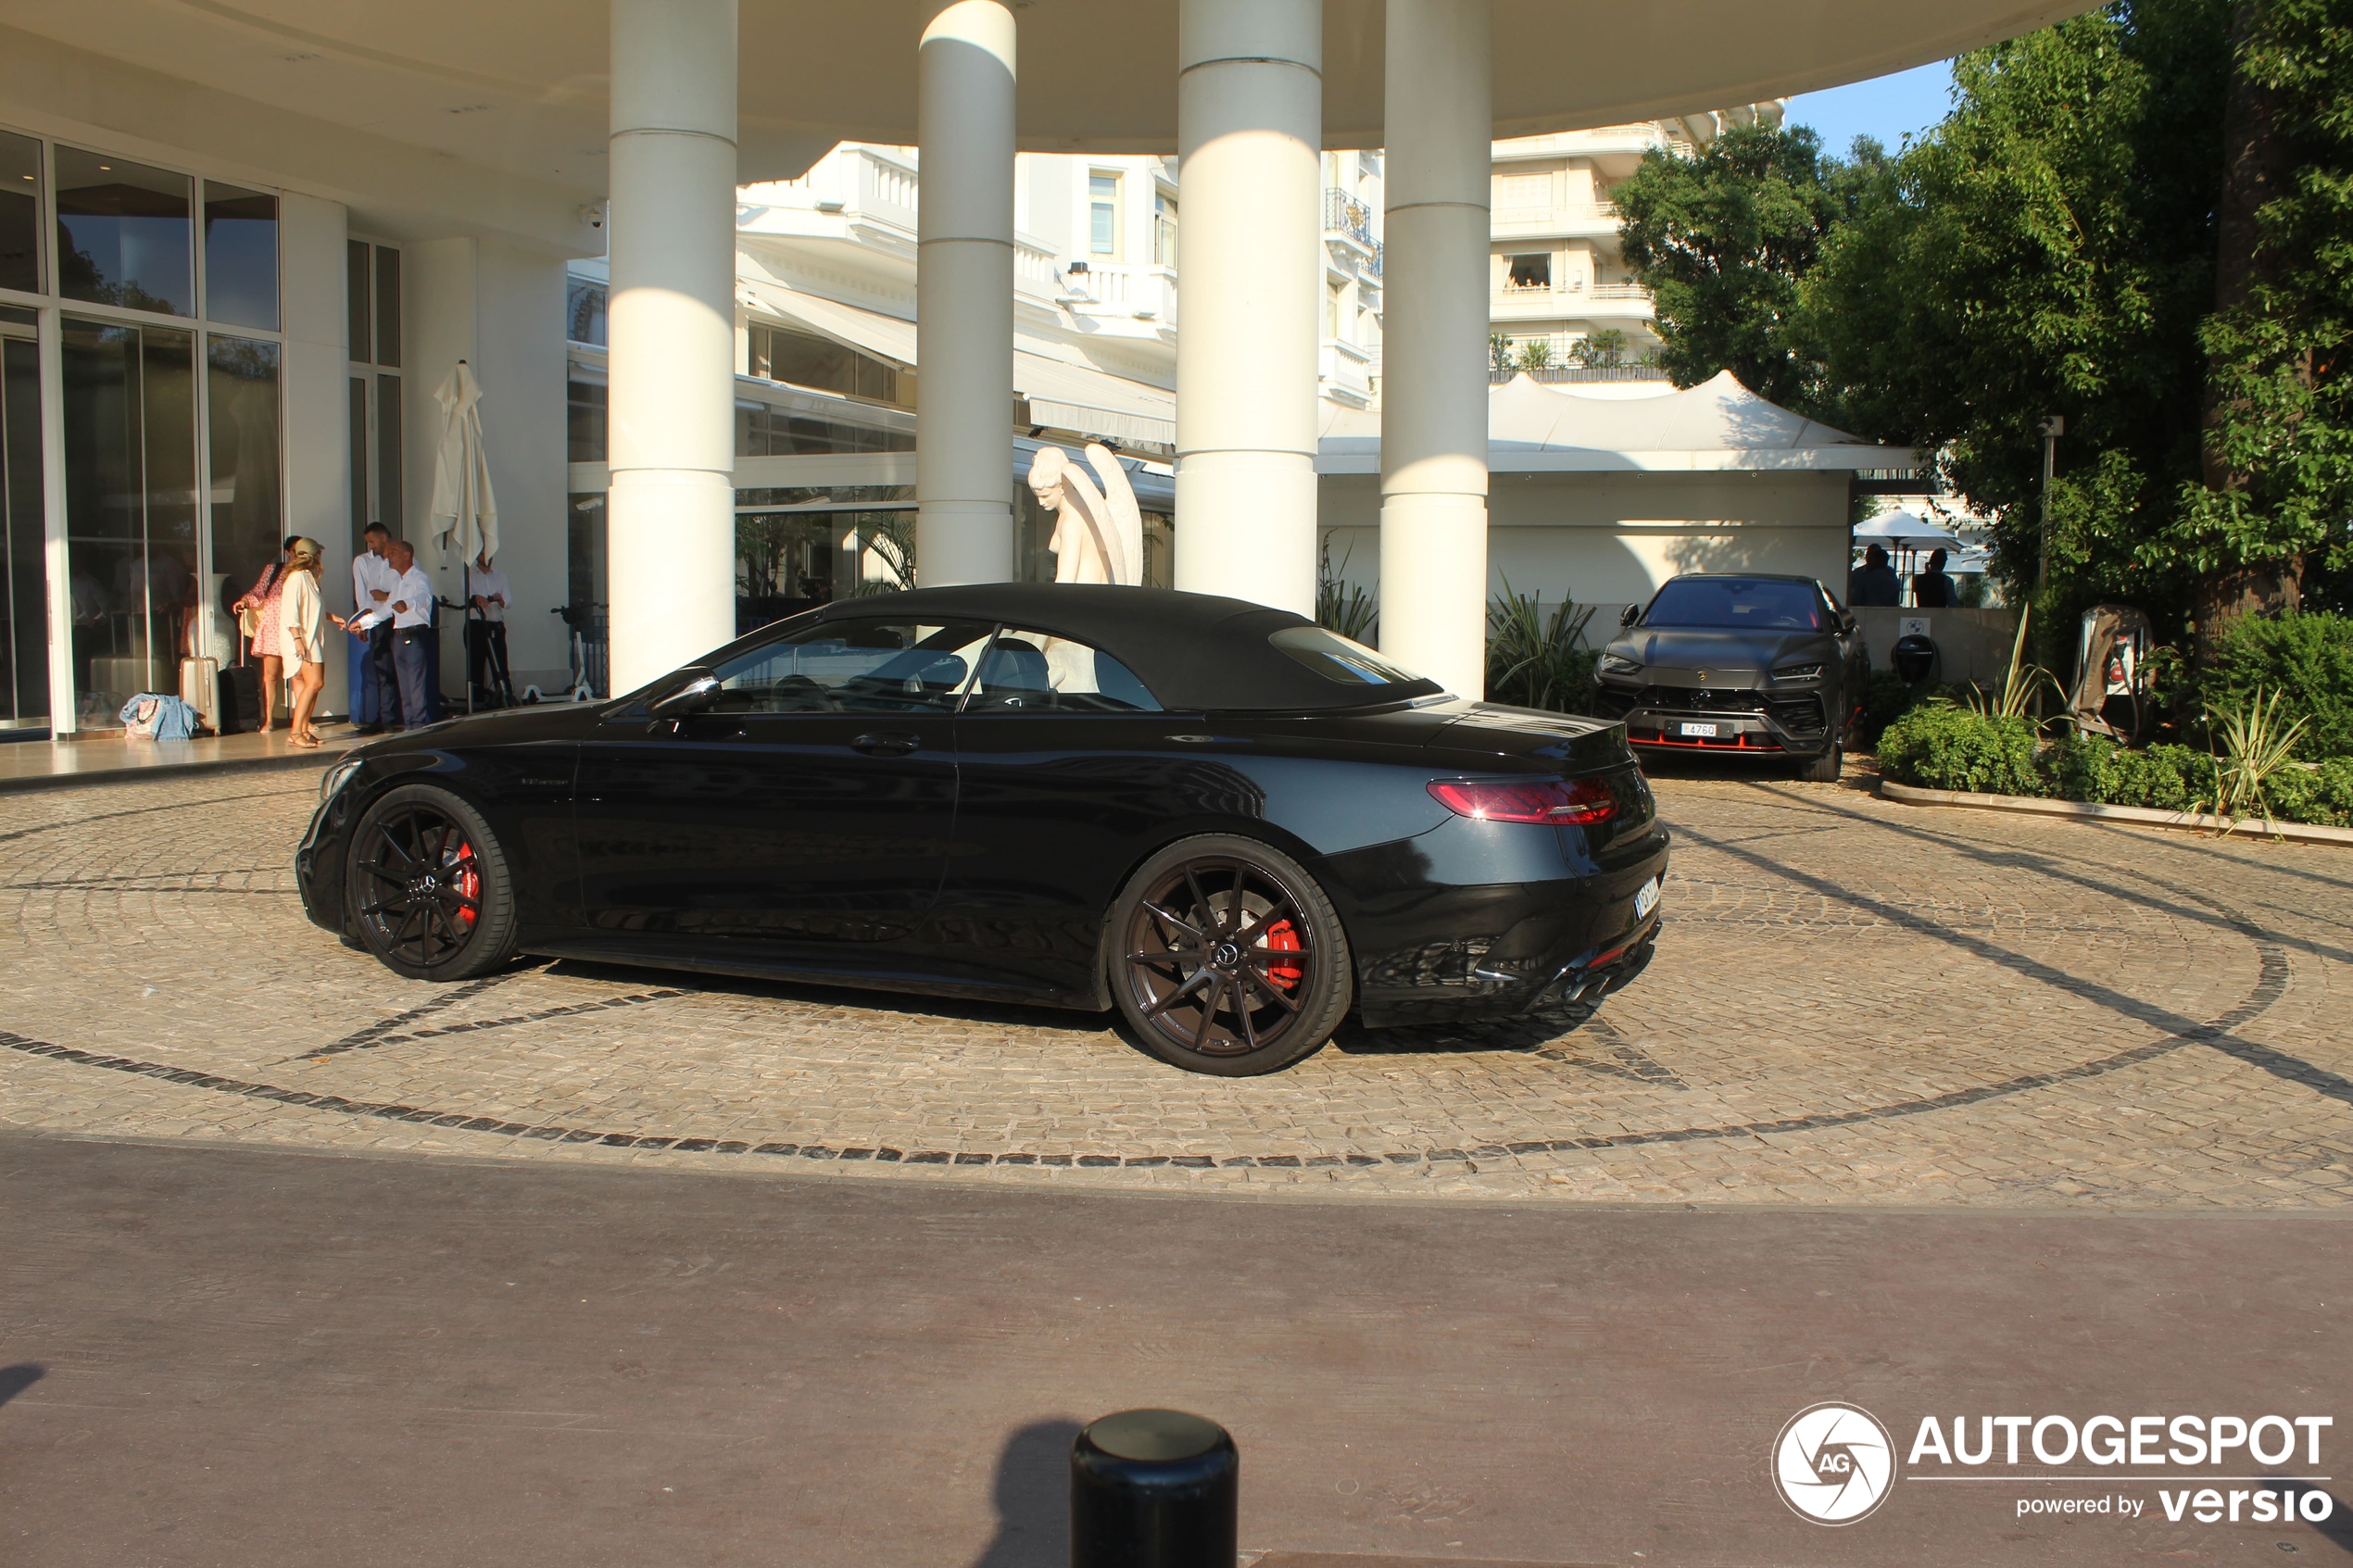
x=1154, y=1489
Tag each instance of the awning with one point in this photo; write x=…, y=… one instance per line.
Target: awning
x=1062, y=394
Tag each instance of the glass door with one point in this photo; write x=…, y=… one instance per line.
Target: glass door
x=130, y=432
x=24, y=618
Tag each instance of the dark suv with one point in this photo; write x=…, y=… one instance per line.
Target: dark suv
x=1742, y=664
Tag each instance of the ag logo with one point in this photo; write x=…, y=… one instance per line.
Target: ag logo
x=1834, y=1463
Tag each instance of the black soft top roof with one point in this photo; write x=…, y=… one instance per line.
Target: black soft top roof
x=1193, y=651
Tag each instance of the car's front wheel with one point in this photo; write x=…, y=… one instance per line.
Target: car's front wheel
x=1227, y=957
x=430, y=892
x=1825, y=769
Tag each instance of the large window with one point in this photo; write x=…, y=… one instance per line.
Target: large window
x=124, y=233
x=240, y=256
x=764, y=431
x=585, y=301
x=800, y=358
x=584, y=420
x=24, y=643
x=241, y=407
x=371, y=299
x=1102, y=214
x=19, y=213
x=1163, y=229
x=130, y=509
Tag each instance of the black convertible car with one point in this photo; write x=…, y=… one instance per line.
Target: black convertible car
x=1744, y=665
x=1224, y=820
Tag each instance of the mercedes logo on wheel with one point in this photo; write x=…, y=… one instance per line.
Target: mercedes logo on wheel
x=1834, y=1463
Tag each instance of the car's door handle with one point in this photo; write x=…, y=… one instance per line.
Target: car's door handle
x=887, y=743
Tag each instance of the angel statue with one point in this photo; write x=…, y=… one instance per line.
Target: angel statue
x=1098, y=533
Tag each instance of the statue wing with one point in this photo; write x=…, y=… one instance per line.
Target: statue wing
x=1124, y=520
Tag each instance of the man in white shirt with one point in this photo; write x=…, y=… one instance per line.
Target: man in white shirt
x=486, y=632
x=375, y=690
x=408, y=608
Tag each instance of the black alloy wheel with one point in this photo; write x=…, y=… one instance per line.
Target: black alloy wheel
x=428, y=886
x=1229, y=959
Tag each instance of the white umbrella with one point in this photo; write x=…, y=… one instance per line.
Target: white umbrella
x=464, y=510
x=1907, y=530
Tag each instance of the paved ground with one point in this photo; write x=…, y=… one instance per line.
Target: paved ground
x=257, y=1359
x=1854, y=1002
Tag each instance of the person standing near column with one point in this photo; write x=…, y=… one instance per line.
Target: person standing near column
x=300, y=640
x=375, y=701
x=486, y=636
x=410, y=610
x=256, y=615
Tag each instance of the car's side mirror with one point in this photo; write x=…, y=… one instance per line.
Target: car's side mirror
x=696, y=695
x=1630, y=615
x=1846, y=622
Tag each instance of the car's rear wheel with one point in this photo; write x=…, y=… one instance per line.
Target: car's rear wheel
x=1228, y=958
x=430, y=892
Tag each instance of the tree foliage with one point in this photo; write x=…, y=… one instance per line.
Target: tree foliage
x=2278, y=483
x=1723, y=240
x=2047, y=249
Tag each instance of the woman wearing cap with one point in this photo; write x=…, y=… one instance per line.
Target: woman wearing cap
x=300, y=643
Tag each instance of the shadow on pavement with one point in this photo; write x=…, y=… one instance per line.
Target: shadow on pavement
x=1033, y=1498
x=15, y=1380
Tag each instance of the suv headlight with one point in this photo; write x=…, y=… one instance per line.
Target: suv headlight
x=1616, y=664
x=1798, y=672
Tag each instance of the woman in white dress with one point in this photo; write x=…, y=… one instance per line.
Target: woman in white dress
x=301, y=641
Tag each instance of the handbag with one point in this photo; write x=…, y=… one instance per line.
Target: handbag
x=249, y=617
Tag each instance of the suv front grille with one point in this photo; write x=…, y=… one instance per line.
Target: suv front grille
x=1798, y=715
x=1704, y=699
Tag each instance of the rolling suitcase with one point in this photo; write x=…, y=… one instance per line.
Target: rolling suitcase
x=239, y=711
x=200, y=689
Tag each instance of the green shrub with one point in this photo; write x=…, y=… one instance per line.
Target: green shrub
x=2322, y=794
x=1886, y=699
x=2166, y=778
x=2308, y=659
x=1944, y=748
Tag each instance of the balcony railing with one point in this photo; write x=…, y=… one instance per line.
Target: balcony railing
x=1343, y=214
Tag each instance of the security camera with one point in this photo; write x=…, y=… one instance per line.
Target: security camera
x=593, y=215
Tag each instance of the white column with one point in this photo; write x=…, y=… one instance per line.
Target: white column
x=1433, y=450
x=49, y=324
x=671, y=514
x=1250, y=104
x=965, y=297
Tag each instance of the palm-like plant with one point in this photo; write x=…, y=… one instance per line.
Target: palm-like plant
x=892, y=542
x=2020, y=689
x=1343, y=607
x=1536, y=661
x=2255, y=747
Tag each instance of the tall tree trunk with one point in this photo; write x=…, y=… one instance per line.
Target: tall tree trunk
x=2256, y=168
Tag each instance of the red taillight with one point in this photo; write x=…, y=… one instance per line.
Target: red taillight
x=1550, y=800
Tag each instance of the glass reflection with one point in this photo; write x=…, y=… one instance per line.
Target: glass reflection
x=130, y=510
x=123, y=234
x=241, y=402
x=19, y=213
x=240, y=256
x=24, y=644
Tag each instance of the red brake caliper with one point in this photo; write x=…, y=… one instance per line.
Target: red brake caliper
x=1283, y=939
x=468, y=879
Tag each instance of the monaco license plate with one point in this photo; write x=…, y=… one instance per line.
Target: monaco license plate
x=1707, y=730
x=1647, y=898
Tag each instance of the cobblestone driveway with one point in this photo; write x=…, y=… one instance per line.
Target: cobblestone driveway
x=1854, y=1001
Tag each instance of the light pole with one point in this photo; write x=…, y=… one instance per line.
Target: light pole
x=2052, y=427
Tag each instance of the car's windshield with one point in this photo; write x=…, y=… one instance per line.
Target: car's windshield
x=1737, y=601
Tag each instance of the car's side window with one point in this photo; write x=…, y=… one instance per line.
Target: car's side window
x=1027, y=672
x=855, y=667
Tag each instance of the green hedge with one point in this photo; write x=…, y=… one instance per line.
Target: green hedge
x=2308, y=659
x=1947, y=748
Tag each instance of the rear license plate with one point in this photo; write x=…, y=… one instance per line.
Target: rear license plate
x=1647, y=898
x=1687, y=729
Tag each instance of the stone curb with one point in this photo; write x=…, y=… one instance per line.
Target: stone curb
x=2140, y=816
x=30, y=782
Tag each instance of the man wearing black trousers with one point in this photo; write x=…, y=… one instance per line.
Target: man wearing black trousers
x=410, y=614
